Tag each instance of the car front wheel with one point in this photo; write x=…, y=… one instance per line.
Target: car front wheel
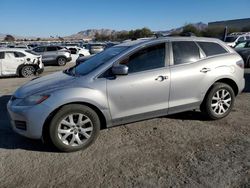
x=74, y=127
x=219, y=101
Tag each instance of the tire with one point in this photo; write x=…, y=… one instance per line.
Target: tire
x=74, y=127
x=61, y=61
x=27, y=71
x=218, y=102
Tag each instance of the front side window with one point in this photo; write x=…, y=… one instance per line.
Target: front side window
x=185, y=52
x=146, y=59
x=211, y=48
x=9, y=55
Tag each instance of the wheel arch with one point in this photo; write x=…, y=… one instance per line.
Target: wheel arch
x=227, y=81
x=46, y=124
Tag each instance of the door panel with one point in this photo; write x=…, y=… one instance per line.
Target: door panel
x=188, y=77
x=188, y=85
x=10, y=63
x=138, y=93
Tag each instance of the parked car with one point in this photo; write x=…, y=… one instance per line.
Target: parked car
x=78, y=51
x=95, y=48
x=245, y=54
x=53, y=55
x=126, y=83
x=19, y=62
x=235, y=38
x=243, y=44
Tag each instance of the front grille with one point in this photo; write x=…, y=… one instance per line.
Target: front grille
x=21, y=125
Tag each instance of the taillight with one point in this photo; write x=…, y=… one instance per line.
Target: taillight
x=240, y=64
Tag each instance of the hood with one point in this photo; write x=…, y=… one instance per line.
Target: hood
x=45, y=83
x=242, y=49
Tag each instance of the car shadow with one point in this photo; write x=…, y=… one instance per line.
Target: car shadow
x=189, y=115
x=10, y=140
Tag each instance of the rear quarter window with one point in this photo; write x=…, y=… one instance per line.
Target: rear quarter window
x=211, y=48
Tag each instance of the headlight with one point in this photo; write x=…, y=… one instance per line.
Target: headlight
x=32, y=100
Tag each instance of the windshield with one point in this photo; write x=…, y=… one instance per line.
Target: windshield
x=230, y=39
x=97, y=60
x=240, y=45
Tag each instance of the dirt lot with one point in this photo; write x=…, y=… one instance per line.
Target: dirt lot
x=182, y=150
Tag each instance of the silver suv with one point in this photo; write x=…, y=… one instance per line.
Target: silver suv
x=53, y=55
x=126, y=83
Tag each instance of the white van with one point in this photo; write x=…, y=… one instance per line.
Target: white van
x=19, y=62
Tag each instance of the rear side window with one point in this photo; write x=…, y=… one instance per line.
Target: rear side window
x=211, y=48
x=1, y=55
x=51, y=48
x=185, y=52
x=19, y=54
x=39, y=49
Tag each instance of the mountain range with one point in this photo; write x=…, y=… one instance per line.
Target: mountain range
x=90, y=33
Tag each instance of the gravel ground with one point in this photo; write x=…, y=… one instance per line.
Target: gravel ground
x=182, y=150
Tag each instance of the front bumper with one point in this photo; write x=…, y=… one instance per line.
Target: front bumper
x=33, y=116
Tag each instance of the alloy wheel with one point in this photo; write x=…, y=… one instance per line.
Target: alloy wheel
x=221, y=101
x=75, y=129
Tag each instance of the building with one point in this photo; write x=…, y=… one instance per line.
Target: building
x=238, y=24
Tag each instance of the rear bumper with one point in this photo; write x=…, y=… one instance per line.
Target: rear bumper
x=241, y=85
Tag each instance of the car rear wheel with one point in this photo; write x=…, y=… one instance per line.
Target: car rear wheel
x=27, y=71
x=74, y=127
x=219, y=101
x=61, y=61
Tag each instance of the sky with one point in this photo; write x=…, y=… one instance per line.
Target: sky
x=65, y=17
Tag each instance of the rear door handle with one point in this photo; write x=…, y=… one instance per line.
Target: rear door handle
x=161, y=78
x=205, y=70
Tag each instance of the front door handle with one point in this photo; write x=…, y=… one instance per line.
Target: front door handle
x=205, y=70
x=161, y=78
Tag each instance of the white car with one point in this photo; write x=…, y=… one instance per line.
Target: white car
x=233, y=39
x=78, y=51
x=20, y=62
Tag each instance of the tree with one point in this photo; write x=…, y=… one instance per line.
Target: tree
x=190, y=29
x=246, y=29
x=9, y=38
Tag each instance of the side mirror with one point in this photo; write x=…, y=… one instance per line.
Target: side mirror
x=120, y=70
